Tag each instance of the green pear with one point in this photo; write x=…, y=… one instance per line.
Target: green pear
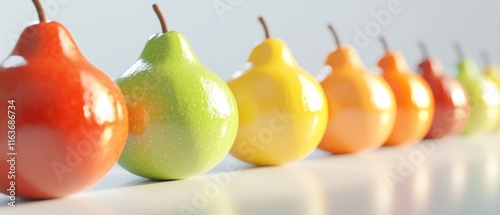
x=183, y=118
x=483, y=98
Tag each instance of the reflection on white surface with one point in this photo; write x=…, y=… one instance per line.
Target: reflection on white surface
x=457, y=178
x=414, y=192
x=273, y=191
x=448, y=173
x=483, y=194
x=460, y=176
x=492, y=171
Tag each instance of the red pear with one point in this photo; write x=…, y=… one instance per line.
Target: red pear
x=65, y=120
x=451, y=106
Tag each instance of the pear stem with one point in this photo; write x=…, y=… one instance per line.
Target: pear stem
x=161, y=18
x=335, y=35
x=486, y=57
x=459, y=51
x=424, y=49
x=264, y=25
x=384, y=44
x=39, y=10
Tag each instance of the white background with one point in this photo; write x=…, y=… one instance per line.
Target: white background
x=112, y=33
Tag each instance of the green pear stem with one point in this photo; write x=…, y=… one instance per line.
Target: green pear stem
x=384, y=44
x=424, y=49
x=264, y=25
x=335, y=35
x=459, y=51
x=486, y=57
x=157, y=10
x=39, y=10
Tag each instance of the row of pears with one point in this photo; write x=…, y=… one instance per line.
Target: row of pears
x=168, y=117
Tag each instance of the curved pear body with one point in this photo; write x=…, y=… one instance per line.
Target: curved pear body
x=452, y=109
x=362, y=108
x=70, y=118
x=183, y=118
x=484, y=98
x=282, y=109
x=493, y=73
x=414, y=99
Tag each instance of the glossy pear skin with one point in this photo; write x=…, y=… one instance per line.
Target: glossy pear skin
x=71, y=119
x=183, y=118
x=493, y=73
x=362, y=107
x=452, y=108
x=483, y=98
x=415, y=103
x=283, y=112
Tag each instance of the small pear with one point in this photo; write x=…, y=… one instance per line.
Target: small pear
x=484, y=97
x=452, y=109
x=183, y=118
x=362, y=108
x=492, y=71
x=283, y=112
x=414, y=99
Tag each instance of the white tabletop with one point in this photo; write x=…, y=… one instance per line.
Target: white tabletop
x=456, y=175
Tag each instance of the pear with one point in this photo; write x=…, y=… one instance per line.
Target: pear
x=484, y=98
x=64, y=120
x=492, y=71
x=414, y=99
x=283, y=112
x=361, y=103
x=183, y=118
x=452, y=109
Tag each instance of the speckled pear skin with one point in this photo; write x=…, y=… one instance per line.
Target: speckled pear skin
x=183, y=117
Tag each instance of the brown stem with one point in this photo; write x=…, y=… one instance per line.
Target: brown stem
x=264, y=25
x=384, y=44
x=423, y=48
x=335, y=35
x=39, y=10
x=459, y=51
x=160, y=17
